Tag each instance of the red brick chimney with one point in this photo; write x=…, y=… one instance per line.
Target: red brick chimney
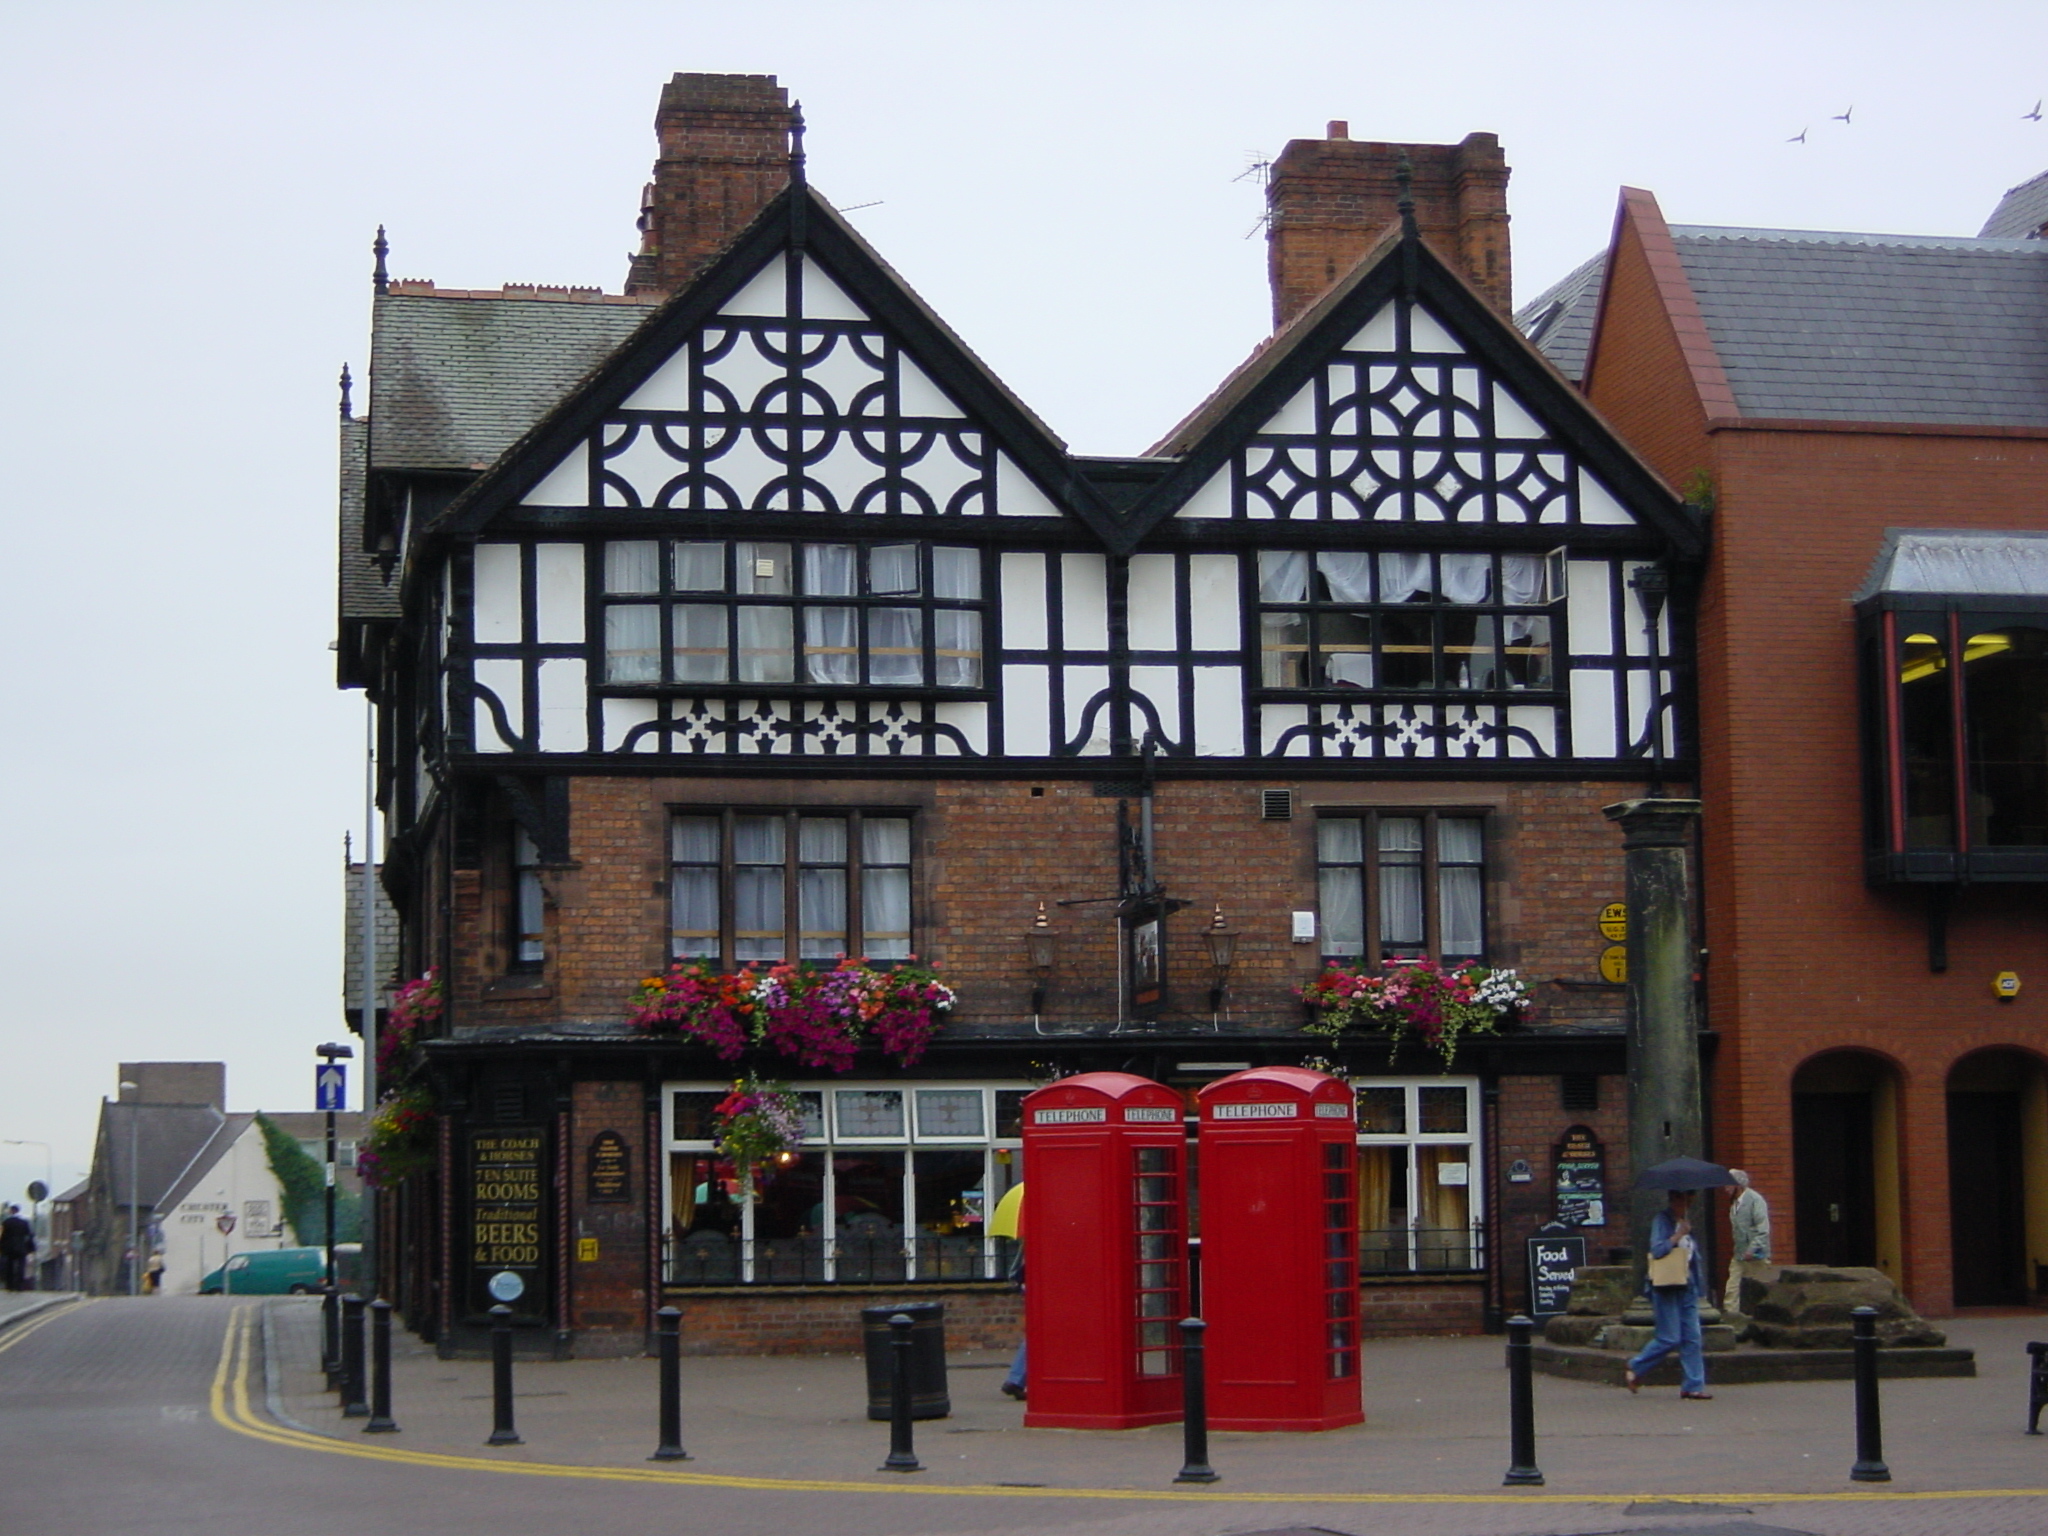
x=1328, y=200
x=724, y=156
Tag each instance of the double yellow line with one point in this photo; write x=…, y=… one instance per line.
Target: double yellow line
x=15, y=1335
x=232, y=1410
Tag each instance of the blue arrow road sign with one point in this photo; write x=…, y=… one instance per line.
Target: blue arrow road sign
x=330, y=1087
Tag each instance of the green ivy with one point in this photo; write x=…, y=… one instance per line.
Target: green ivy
x=304, y=1182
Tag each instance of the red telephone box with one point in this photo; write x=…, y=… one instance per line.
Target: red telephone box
x=1105, y=1252
x=1280, y=1250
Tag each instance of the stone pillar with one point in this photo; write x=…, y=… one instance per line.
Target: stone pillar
x=1664, y=1112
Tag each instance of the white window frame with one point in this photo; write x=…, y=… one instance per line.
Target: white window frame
x=1413, y=1137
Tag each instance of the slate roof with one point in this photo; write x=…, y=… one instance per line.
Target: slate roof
x=1559, y=320
x=1951, y=563
x=456, y=377
x=2021, y=214
x=365, y=594
x=225, y=1135
x=166, y=1138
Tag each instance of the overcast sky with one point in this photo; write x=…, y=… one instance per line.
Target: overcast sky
x=191, y=189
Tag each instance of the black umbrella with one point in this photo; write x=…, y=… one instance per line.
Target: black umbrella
x=1683, y=1173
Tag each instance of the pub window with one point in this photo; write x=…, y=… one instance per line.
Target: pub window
x=734, y=612
x=1390, y=621
x=891, y=1184
x=529, y=904
x=753, y=887
x=1418, y=1175
x=1402, y=885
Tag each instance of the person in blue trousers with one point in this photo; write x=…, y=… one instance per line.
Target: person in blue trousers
x=1677, y=1307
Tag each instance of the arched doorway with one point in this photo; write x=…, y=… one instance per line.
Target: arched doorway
x=1845, y=1161
x=1997, y=1154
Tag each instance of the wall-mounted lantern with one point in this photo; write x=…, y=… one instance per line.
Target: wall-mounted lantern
x=1042, y=944
x=1222, y=945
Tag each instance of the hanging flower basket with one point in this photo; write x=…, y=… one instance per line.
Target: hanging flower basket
x=758, y=1122
x=817, y=1018
x=404, y=1137
x=415, y=1010
x=1438, y=1007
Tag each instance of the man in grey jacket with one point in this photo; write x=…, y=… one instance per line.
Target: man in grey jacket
x=1749, y=1215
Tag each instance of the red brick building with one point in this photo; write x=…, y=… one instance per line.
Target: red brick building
x=746, y=620
x=1865, y=420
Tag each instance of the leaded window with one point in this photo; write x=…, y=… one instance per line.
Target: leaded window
x=1402, y=885
x=737, y=612
x=1407, y=621
x=763, y=886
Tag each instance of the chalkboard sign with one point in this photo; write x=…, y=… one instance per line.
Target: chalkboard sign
x=1581, y=1165
x=1552, y=1261
x=609, y=1168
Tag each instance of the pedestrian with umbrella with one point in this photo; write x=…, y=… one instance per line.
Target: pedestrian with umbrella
x=1676, y=1277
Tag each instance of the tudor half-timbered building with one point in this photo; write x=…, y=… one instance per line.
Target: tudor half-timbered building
x=747, y=619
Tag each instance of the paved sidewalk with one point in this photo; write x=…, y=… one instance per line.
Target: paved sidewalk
x=1436, y=1425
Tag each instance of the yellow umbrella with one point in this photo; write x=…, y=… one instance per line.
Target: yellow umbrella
x=1009, y=1210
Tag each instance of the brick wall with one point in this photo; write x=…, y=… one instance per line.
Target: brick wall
x=609, y=1293
x=1406, y=1308
x=825, y=1320
x=1529, y=1122
x=990, y=850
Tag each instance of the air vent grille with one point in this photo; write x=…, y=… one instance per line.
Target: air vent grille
x=1276, y=805
x=1578, y=1092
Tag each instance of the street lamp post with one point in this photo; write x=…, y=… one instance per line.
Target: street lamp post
x=329, y=1054
x=134, y=1186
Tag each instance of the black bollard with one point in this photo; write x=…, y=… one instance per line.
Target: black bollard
x=2037, y=1386
x=380, y=1370
x=502, y=1432
x=668, y=1345
x=352, y=1404
x=1522, y=1469
x=902, y=1458
x=330, y=1335
x=1194, y=1412
x=1870, y=1467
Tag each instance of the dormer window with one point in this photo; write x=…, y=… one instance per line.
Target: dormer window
x=712, y=613
x=1954, y=637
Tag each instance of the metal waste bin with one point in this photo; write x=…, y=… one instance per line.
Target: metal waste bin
x=928, y=1397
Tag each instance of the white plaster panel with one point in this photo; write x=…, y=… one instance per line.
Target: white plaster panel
x=1426, y=333
x=917, y=395
x=824, y=299
x=764, y=294
x=1212, y=500
x=1024, y=610
x=1213, y=616
x=1587, y=609
x=1161, y=688
x=1027, y=710
x=1298, y=414
x=745, y=469
x=506, y=679
x=1084, y=602
x=498, y=609
x=941, y=473
x=1082, y=684
x=562, y=697
x=566, y=485
x=746, y=370
x=842, y=373
x=970, y=719
x=1219, y=712
x=844, y=473
x=1540, y=721
x=1511, y=418
x=1593, y=713
x=620, y=718
x=645, y=466
x=665, y=389
x=1152, y=607
x=1017, y=495
x=1377, y=334
x=1275, y=721
x=558, y=594
x=1598, y=505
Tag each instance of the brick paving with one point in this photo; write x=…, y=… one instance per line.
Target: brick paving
x=1434, y=1443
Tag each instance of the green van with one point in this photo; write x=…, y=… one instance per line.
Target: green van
x=282, y=1272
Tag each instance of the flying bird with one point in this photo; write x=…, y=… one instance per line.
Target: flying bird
x=1843, y=117
x=2033, y=116
x=1797, y=138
